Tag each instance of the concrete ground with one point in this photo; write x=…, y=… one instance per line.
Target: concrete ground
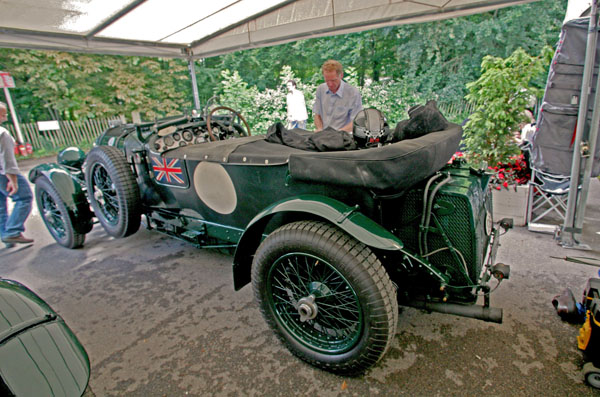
x=159, y=317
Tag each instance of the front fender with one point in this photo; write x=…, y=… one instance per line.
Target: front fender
x=337, y=213
x=71, y=192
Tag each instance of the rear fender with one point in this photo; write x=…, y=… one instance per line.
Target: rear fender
x=71, y=192
x=337, y=213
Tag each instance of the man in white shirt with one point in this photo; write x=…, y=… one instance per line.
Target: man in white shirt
x=15, y=186
x=296, y=107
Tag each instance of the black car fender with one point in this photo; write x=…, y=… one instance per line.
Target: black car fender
x=347, y=218
x=39, y=354
x=71, y=191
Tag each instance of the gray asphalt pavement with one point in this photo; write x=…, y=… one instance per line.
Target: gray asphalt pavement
x=159, y=317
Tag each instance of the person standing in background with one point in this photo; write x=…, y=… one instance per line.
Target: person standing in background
x=296, y=107
x=15, y=186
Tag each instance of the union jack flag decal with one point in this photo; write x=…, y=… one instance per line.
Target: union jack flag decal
x=169, y=172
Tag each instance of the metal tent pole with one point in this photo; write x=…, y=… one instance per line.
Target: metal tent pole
x=191, y=66
x=589, y=153
x=572, y=226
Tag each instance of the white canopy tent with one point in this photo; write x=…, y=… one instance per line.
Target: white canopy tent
x=198, y=29
x=193, y=29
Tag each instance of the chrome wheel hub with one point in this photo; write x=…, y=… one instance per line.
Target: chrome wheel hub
x=307, y=308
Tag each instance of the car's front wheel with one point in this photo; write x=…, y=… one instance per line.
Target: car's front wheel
x=326, y=296
x=55, y=215
x=112, y=191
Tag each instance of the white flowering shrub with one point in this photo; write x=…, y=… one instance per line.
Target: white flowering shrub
x=261, y=108
x=270, y=107
x=267, y=107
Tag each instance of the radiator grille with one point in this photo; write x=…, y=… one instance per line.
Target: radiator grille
x=463, y=225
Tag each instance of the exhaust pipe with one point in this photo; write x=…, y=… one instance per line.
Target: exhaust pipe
x=485, y=313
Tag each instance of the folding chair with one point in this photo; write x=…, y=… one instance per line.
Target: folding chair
x=547, y=203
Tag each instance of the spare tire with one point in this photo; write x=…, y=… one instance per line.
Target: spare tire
x=112, y=191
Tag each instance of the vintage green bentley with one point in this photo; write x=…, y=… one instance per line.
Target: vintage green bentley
x=332, y=241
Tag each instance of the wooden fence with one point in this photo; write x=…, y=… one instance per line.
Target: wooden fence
x=71, y=133
x=456, y=111
x=75, y=133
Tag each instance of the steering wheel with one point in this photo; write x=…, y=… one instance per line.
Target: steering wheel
x=230, y=110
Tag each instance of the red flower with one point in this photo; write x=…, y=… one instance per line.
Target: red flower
x=514, y=172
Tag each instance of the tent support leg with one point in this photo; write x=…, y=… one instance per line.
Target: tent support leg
x=573, y=225
x=192, y=68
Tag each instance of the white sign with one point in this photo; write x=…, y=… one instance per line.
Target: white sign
x=48, y=125
x=6, y=80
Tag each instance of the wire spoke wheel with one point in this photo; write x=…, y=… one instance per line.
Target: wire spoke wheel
x=104, y=193
x=51, y=214
x=326, y=296
x=56, y=215
x=315, y=303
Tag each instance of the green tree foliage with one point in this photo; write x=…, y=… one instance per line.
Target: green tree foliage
x=431, y=60
x=69, y=86
x=500, y=95
x=394, y=66
x=157, y=87
x=61, y=83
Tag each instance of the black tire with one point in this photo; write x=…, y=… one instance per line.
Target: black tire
x=592, y=375
x=112, y=191
x=55, y=215
x=326, y=296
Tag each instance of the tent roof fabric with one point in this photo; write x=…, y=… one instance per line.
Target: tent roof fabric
x=199, y=29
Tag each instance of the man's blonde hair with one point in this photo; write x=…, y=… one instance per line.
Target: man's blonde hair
x=332, y=65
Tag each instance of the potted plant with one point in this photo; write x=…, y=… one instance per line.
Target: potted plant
x=500, y=97
x=510, y=189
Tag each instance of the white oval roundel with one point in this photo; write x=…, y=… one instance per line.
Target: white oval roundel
x=214, y=187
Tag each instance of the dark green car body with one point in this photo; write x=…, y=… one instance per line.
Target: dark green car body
x=426, y=223
x=39, y=354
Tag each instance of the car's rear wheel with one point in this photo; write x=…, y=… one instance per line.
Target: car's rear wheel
x=112, y=191
x=326, y=296
x=55, y=215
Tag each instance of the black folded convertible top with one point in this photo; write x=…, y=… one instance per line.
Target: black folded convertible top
x=395, y=166
x=391, y=167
